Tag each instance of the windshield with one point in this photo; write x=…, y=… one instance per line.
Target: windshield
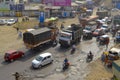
x=66, y=36
x=6, y=55
x=104, y=26
x=39, y=58
x=10, y=20
x=96, y=30
x=87, y=28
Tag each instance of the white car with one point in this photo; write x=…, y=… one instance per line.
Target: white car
x=105, y=27
x=42, y=59
x=11, y=21
x=3, y=21
x=115, y=9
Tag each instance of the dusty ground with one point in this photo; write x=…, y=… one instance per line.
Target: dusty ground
x=98, y=71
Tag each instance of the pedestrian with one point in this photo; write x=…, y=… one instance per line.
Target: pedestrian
x=107, y=42
x=20, y=34
x=23, y=19
x=17, y=29
x=62, y=26
x=17, y=75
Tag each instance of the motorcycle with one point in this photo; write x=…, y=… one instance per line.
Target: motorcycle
x=89, y=58
x=65, y=66
x=73, y=51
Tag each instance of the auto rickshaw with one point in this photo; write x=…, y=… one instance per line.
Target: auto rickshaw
x=103, y=39
x=87, y=35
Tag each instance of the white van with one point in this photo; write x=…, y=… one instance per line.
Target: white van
x=42, y=59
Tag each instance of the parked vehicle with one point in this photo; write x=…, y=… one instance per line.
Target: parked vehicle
x=33, y=39
x=11, y=21
x=117, y=37
x=2, y=22
x=13, y=55
x=70, y=35
x=42, y=59
x=98, y=32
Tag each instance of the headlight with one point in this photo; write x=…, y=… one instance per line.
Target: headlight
x=68, y=42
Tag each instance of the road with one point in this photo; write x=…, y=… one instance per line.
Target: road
x=78, y=69
x=77, y=60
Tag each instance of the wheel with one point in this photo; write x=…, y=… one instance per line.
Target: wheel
x=40, y=66
x=23, y=55
x=11, y=60
x=51, y=61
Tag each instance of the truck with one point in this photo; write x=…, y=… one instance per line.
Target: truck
x=70, y=35
x=85, y=21
x=102, y=13
x=34, y=38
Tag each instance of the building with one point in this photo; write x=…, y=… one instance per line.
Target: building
x=116, y=3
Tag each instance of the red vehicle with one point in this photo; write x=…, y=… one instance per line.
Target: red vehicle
x=98, y=32
x=13, y=55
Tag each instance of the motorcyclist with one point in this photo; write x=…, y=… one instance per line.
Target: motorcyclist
x=73, y=49
x=90, y=55
x=65, y=64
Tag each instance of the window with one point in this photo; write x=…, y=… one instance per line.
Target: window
x=48, y=56
x=44, y=59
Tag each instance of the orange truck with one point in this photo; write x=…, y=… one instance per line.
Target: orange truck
x=85, y=21
x=33, y=39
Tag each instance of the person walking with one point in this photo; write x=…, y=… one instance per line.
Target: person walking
x=17, y=76
x=107, y=42
x=20, y=34
x=17, y=29
x=62, y=26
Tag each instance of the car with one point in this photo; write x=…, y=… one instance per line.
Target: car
x=105, y=27
x=98, y=32
x=115, y=9
x=11, y=21
x=3, y=21
x=42, y=59
x=13, y=55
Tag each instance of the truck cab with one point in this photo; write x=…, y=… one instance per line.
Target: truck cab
x=65, y=38
x=70, y=35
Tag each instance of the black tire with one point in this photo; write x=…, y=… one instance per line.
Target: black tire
x=23, y=55
x=11, y=60
x=51, y=62
x=40, y=66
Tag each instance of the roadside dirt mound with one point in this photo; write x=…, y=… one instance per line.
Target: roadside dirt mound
x=98, y=71
x=27, y=24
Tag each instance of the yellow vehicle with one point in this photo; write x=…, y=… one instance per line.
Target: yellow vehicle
x=50, y=21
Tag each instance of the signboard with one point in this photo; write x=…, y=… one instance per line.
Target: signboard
x=118, y=5
x=58, y=2
x=17, y=7
x=42, y=17
x=62, y=2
